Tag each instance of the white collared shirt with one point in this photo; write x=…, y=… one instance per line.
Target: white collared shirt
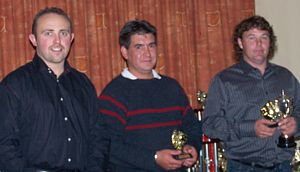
x=126, y=74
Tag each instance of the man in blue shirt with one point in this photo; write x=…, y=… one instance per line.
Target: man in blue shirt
x=236, y=96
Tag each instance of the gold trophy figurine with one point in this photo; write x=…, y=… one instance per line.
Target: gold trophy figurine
x=201, y=98
x=179, y=139
x=280, y=108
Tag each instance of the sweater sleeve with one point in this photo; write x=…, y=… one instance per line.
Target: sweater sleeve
x=193, y=129
x=190, y=124
x=121, y=152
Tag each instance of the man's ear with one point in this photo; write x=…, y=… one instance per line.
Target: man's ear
x=32, y=39
x=240, y=43
x=124, y=52
x=72, y=37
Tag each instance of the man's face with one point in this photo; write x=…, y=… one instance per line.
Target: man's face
x=53, y=39
x=141, y=55
x=255, y=44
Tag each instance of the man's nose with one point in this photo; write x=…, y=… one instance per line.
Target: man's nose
x=57, y=38
x=147, y=51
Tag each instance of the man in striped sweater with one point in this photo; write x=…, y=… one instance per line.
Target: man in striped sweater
x=141, y=108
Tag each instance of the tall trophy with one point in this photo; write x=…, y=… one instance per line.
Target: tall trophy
x=275, y=110
x=179, y=139
x=211, y=156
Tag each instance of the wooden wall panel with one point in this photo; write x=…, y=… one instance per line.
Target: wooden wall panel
x=194, y=36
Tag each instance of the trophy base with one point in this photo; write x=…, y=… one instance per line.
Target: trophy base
x=284, y=142
x=183, y=156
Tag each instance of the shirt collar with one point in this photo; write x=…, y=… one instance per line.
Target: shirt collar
x=42, y=66
x=126, y=74
x=247, y=68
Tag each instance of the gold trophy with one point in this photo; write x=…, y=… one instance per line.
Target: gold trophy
x=296, y=160
x=275, y=110
x=217, y=151
x=179, y=139
x=201, y=98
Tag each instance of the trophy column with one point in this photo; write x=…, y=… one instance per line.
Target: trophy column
x=208, y=156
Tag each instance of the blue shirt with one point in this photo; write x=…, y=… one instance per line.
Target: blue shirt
x=235, y=98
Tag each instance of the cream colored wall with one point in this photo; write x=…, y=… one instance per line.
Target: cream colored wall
x=284, y=15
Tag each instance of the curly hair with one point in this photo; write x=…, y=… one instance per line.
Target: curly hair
x=247, y=24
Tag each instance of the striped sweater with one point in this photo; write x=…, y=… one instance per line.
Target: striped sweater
x=140, y=116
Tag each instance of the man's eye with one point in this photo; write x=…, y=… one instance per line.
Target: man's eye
x=265, y=37
x=152, y=45
x=48, y=33
x=65, y=33
x=251, y=37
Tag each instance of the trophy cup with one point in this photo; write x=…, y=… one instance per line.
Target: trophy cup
x=179, y=139
x=280, y=108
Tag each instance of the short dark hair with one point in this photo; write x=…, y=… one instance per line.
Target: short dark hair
x=252, y=22
x=135, y=27
x=49, y=10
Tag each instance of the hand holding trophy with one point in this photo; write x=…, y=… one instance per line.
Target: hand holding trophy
x=280, y=108
x=179, y=139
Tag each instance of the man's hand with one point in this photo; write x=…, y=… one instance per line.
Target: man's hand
x=288, y=126
x=166, y=160
x=262, y=128
x=191, y=150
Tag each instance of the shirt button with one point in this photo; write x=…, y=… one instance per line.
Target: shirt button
x=66, y=118
x=57, y=80
x=61, y=99
x=69, y=139
x=69, y=159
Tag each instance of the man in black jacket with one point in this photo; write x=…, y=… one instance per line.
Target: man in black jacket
x=50, y=107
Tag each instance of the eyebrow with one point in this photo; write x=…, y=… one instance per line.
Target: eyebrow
x=151, y=43
x=51, y=30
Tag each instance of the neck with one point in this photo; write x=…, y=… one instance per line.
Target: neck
x=58, y=72
x=150, y=76
x=58, y=69
x=261, y=66
x=139, y=75
x=262, y=70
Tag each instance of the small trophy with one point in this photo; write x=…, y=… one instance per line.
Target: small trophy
x=179, y=139
x=276, y=110
x=201, y=98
